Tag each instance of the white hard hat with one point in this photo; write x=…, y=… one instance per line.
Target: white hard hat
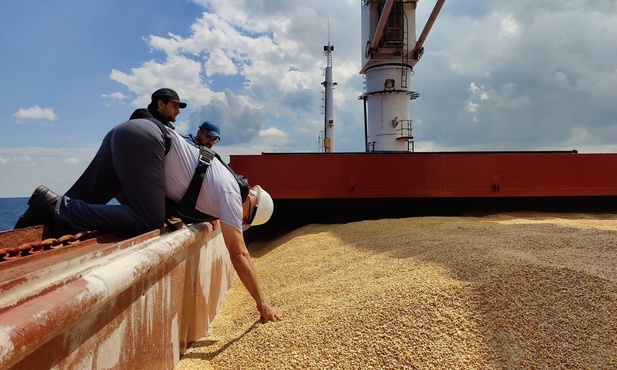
x=263, y=208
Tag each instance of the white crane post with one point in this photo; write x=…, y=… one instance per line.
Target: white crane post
x=329, y=99
x=389, y=37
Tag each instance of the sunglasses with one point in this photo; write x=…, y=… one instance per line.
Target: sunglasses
x=249, y=220
x=216, y=138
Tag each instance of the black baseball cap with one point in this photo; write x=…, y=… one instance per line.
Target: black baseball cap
x=168, y=95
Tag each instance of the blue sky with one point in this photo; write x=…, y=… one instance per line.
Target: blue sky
x=495, y=75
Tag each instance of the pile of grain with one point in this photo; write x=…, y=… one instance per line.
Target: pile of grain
x=529, y=290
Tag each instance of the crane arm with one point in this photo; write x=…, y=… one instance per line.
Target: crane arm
x=418, y=49
x=382, y=24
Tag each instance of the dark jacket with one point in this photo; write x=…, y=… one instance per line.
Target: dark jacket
x=147, y=113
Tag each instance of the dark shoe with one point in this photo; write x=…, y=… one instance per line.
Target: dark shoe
x=41, y=210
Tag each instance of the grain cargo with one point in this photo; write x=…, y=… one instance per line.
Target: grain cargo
x=505, y=291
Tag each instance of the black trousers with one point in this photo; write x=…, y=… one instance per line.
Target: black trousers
x=130, y=159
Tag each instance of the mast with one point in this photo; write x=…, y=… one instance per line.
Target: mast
x=328, y=140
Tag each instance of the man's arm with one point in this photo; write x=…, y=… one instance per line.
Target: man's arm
x=243, y=265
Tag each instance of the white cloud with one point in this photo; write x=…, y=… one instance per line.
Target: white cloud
x=508, y=28
x=35, y=113
x=180, y=73
x=115, y=96
x=219, y=62
x=272, y=132
x=472, y=108
x=273, y=136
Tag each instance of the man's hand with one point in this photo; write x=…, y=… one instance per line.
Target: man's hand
x=214, y=224
x=241, y=260
x=268, y=313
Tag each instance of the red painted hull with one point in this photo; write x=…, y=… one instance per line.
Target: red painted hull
x=430, y=175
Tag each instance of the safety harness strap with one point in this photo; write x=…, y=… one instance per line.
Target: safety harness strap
x=166, y=135
x=186, y=209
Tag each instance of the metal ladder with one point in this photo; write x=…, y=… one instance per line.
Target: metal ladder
x=404, y=55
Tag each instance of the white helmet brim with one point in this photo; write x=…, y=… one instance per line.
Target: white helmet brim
x=263, y=208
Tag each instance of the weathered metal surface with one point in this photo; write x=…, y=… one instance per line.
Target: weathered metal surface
x=12, y=238
x=112, y=304
x=28, y=242
x=430, y=175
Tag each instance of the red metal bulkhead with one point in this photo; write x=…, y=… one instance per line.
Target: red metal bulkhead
x=418, y=175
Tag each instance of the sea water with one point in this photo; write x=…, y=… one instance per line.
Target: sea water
x=10, y=210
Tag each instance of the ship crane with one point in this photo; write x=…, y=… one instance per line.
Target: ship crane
x=390, y=53
x=327, y=140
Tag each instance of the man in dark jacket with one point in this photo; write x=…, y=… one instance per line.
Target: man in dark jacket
x=161, y=112
x=129, y=161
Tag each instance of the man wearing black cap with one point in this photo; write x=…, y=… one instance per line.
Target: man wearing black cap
x=129, y=162
x=165, y=106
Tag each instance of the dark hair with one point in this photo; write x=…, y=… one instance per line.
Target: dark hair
x=154, y=106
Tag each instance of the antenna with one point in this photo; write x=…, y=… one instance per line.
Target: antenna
x=328, y=31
